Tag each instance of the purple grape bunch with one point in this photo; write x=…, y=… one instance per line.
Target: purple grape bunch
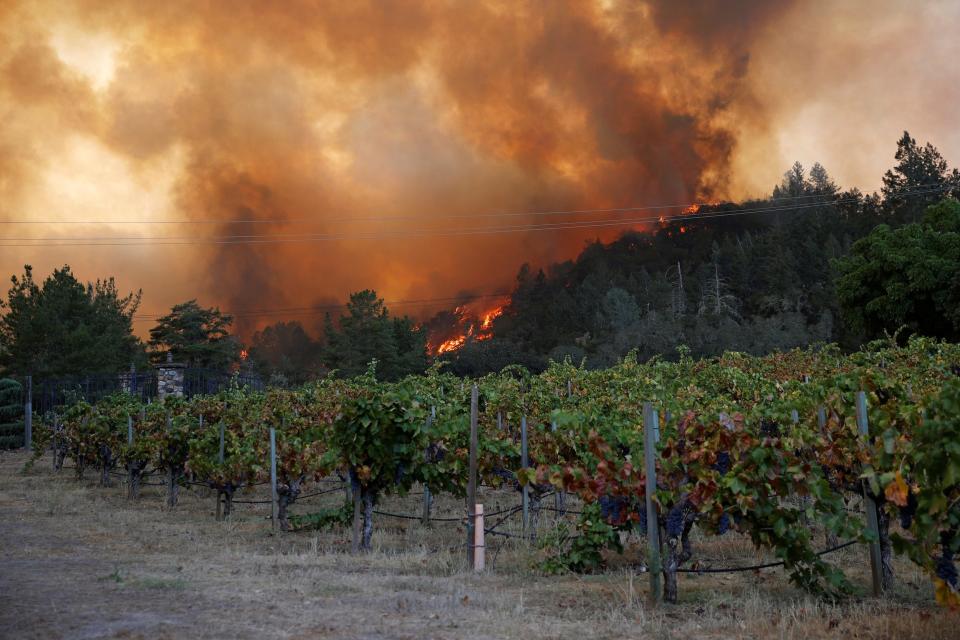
x=612, y=507
x=722, y=465
x=946, y=570
x=724, y=525
x=675, y=520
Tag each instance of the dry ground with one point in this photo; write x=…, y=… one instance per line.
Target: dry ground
x=80, y=561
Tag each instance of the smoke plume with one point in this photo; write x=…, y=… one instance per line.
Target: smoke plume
x=381, y=126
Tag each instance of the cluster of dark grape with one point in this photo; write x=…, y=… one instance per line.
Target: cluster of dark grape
x=946, y=570
x=907, y=512
x=507, y=476
x=722, y=465
x=769, y=428
x=675, y=520
x=612, y=508
x=724, y=525
x=642, y=512
x=435, y=452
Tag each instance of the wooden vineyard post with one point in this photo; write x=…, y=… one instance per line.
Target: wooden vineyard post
x=172, y=478
x=524, y=462
x=653, y=527
x=427, y=498
x=479, y=549
x=357, y=508
x=220, y=496
x=558, y=501
x=872, y=524
x=794, y=416
x=831, y=537
x=472, y=479
x=130, y=472
x=28, y=416
x=273, y=477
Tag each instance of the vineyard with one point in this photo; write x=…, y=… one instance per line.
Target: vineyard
x=802, y=453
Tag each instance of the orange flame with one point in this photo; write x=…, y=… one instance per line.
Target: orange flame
x=243, y=354
x=474, y=331
x=451, y=345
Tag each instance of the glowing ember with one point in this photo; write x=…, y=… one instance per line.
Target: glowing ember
x=243, y=354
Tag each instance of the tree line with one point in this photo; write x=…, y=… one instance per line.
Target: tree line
x=810, y=263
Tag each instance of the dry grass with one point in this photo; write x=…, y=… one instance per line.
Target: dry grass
x=81, y=561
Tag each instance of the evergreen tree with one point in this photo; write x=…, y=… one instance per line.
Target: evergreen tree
x=284, y=354
x=197, y=336
x=919, y=179
x=63, y=328
x=366, y=333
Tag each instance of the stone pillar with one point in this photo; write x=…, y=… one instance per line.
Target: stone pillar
x=170, y=378
x=128, y=381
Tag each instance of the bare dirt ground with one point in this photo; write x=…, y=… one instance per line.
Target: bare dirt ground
x=80, y=561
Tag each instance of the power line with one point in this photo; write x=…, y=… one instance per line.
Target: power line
x=285, y=239
x=196, y=221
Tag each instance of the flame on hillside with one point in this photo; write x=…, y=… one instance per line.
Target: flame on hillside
x=449, y=331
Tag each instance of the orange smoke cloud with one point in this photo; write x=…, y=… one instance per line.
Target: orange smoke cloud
x=327, y=118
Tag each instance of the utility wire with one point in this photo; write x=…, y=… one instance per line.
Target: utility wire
x=451, y=216
x=297, y=238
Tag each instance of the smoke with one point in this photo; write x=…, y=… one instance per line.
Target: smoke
x=326, y=118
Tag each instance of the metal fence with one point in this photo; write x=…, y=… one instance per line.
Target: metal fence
x=51, y=393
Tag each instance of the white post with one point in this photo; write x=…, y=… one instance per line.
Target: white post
x=479, y=555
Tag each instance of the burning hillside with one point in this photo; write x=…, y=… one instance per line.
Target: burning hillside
x=450, y=330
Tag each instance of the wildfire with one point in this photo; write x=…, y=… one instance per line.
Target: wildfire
x=488, y=319
x=243, y=354
x=452, y=344
x=694, y=208
x=479, y=327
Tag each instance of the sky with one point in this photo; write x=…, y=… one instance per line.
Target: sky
x=388, y=144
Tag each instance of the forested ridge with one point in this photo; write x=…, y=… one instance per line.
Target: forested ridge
x=757, y=277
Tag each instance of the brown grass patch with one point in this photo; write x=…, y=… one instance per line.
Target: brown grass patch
x=80, y=561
